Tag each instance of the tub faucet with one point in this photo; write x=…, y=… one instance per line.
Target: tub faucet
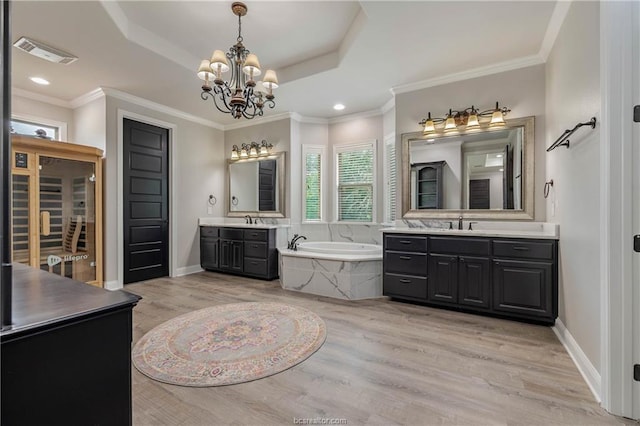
x=293, y=245
x=247, y=219
x=460, y=222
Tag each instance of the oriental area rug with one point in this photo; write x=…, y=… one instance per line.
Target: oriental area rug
x=228, y=344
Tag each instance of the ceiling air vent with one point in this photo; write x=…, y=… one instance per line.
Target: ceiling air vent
x=43, y=51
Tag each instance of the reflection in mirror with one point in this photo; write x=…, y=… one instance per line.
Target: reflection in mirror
x=256, y=186
x=487, y=173
x=479, y=171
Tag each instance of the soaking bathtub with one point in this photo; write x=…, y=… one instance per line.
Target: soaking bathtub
x=348, y=271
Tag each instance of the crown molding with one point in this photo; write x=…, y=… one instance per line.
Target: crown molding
x=40, y=98
x=87, y=97
x=553, y=29
x=511, y=65
x=358, y=115
x=114, y=93
x=308, y=120
x=390, y=104
x=257, y=121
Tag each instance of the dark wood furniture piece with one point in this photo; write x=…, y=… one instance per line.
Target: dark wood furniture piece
x=429, y=185
x=242, y=251
x=510, y=277
x=66, y=359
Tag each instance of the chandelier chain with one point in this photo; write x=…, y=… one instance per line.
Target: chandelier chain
x=240, y=29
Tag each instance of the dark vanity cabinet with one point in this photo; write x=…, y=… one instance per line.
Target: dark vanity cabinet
x=525, y=278
x=405, y=266
x=516, y=278
x=241, y=251
x=459, y=269
x=209, y=247
x=231, y=242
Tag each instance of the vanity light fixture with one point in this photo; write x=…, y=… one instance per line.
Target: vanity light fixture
x=251, y=150
x=234, y=153
x=241, y=95
x=468, y=118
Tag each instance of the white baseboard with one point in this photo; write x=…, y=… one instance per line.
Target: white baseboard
x=585, y=367
x=188, y=270
x=113, y=285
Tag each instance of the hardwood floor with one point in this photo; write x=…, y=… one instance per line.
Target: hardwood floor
x=383, y=362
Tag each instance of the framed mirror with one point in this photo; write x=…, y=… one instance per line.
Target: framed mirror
x=255, y=186
x=485, y=173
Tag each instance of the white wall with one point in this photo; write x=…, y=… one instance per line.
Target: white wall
x=31, y=108
x=90, y=123
x=572, y=96
x=199, y=171
x=521, y=90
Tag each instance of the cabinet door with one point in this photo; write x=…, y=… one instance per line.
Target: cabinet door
x=523, y=287
x=209, y=253
x=237, y=256
x=443, y=278
x=225, y=254
x=474, y=285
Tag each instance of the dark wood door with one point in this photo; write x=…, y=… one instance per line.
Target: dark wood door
x=267, y=185
x=231, y=255
x=209, y=253
x=479, y=194
x=474, y=286
x=443, y=278
x=146, y=201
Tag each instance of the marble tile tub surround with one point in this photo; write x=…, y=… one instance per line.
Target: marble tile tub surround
x=341, y=232
x=347, y=280
x=514, y=229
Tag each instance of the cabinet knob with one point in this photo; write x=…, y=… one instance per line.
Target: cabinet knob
x=405, y=257
x=405, y=281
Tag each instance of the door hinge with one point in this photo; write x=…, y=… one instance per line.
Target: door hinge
x=636, y=113
x=636, y=243
x=636, y=372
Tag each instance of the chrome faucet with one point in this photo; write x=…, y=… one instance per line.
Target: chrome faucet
x=293, y=245
x=248, y=220
x=460, y=222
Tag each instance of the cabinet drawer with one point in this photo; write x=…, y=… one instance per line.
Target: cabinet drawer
x=406, y=263
x=208, y=231
x=255, y=235
x=231, y=233
x=460, y=245
x=254, y=266
x=523, y=249
x=405, y=243
x=402, y=285
x=255, y=249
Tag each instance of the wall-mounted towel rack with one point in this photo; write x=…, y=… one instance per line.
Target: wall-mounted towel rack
x=564, y=141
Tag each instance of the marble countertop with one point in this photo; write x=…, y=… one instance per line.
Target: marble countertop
x=206, y=221
x=538, y=230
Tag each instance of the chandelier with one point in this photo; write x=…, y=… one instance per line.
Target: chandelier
x=241, y=95
x=469, y=118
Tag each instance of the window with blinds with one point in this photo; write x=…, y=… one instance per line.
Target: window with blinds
x=355, y=171
x=390, y=179
x=312, y=183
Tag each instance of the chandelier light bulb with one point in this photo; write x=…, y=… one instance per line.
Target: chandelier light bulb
x=450, y=123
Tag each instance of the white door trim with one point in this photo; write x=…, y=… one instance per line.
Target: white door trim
x=173, y=225
x=616, y=53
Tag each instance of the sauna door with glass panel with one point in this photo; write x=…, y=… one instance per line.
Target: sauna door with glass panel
x=56, y=212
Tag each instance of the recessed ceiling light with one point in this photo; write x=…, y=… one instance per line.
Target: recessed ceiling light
x=501, y=170
x=39, y=80
x=431, y=140
x=338, y=107
x=499, y=155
